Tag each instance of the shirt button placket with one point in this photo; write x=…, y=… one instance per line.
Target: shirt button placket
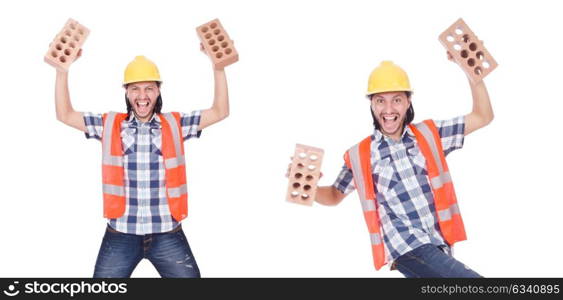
x=143, y=153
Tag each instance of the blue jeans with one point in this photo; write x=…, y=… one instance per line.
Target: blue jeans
x=169, y=253
x=429, y=261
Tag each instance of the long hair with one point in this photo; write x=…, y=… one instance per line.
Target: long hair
x=408, y=118
x=157, y=106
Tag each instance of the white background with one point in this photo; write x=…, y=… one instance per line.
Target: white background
x=302, y=73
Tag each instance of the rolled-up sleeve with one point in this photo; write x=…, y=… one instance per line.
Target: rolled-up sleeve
x=94, y=125
x=345, y=181
x=452, y=133
x=190, y=124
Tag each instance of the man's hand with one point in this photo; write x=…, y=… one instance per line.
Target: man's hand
x=220, y=108
x=78, y=55
x=202, y=49
x=63, y=106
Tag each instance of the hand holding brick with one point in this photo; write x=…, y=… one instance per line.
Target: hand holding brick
x=468, y=51
x=65, y=48
x=217, y=44
x=304, y=174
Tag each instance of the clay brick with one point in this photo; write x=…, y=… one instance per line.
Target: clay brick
x=304, y=174
x=468, y=51
x=217, y=43
x=64, y=48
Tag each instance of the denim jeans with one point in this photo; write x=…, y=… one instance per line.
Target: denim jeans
x=429, y=261
x=169, y=253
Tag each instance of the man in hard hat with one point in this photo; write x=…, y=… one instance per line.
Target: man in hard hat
x=143, y=170
x=403, y=181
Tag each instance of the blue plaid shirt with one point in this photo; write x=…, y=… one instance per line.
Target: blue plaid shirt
x=406, y=203
x=146, y=209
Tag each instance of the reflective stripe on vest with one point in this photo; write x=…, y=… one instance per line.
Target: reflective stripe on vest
x=113, y=170
x=178, y=191
x=107, y=157
x=445, y=201
x=173, y=162
x=443, y=176
x=112, y=167
x=114, y=190
x=174, y=165
x=358, y=159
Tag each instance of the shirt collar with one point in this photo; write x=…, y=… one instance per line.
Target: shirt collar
x=407, y=132
x=134, y=122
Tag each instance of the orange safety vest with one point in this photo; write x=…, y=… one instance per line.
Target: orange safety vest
x=358, y=159
x=113, y=171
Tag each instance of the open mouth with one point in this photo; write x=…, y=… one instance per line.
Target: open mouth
x=390, y=119
x=142, y=107
x=390, y=123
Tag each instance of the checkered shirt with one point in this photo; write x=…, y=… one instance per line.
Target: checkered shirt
x=146, y=209
x=404, y=195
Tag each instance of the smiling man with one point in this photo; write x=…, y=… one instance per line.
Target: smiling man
x=403, y=181
x=143, y=169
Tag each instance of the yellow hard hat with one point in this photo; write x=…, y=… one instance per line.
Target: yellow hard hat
x=141, y=69
x=388, y=77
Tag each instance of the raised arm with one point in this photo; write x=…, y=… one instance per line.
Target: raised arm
x=63, y=106
x=482, y=113
x=220, y=108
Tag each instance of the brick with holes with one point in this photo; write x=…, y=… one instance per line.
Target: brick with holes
x=64, y=48
x=468, y=51
x=217, y=44
x=304, y=174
